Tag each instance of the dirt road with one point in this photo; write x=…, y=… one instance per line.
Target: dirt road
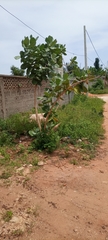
x=59, y=202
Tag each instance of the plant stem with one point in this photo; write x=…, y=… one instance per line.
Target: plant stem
x=70, y=87
x=36, y=110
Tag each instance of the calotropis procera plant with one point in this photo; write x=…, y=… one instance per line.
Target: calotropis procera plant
x=40, y=61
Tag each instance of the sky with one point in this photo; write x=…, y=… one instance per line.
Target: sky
x=62, y=19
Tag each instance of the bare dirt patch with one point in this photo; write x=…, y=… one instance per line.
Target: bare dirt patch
x=59, y=200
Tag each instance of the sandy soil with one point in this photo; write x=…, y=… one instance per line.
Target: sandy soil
x=58, y=201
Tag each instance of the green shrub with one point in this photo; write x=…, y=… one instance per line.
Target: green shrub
x=19, y=124
x=79, y=98
x=6, y=138
x=97, y=86
x=45, y=140
x=13, y=127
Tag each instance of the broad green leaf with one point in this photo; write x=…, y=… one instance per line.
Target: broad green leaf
x=23, y=66
x=17, y=57
x=25, y=42
x=65, y=76
x=49, y=39
x=32, y=42
x=58, y=81
x=32, y=133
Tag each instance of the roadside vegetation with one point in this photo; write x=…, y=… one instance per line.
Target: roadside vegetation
x=78, y=123
x=80, y=126
x=98, y=87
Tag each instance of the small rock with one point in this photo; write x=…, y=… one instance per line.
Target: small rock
x=41, y=163
x=76, y=217
x=103, y=227
x=15, y=220
x=65, y=139
x=75, y=230
x=30, y=165
x=101, y=171
x=5, y=207
x=26, y=171
x=20, y=169
x=27, y=223
x=24, y=165
x=79, y=140
x=90, y=223
x=24, y=138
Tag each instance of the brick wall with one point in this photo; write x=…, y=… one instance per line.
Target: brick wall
x=17, y=94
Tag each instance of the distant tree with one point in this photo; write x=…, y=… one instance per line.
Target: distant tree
x=74, y=69
x=17, y=71
x=96, y=64
x=72, y=66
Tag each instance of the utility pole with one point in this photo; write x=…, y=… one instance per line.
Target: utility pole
x=85, y=48
x=85, y=56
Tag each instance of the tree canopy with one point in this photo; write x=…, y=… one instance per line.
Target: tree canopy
x=17, y=71
x=40, y=60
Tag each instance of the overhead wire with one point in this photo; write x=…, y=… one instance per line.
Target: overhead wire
x=32, y=28
x=94, y=47
x=75, y=54
x=21, y=21
x=90, y=59
x=81, y=55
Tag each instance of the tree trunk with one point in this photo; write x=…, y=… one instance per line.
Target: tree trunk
x=36, y=108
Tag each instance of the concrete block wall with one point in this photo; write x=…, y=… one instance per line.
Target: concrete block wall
x=17, y=95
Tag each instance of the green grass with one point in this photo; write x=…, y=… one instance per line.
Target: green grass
x=17, y=233
x=14, y=127
x=7, y=216
x=98, y=87
x=5, y=175
x=99, y=91
x=82, y=119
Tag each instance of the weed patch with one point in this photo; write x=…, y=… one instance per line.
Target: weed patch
x=82, y=119
x=7, y=216
x=17, y=233
x=45, y=140
x=74, y=162
x=80, y=125
x=5, y=175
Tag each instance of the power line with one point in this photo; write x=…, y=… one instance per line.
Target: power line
x=21, y=21
x=30, y=27
x=90, y=59
x=80, y=55
x=94, y=47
